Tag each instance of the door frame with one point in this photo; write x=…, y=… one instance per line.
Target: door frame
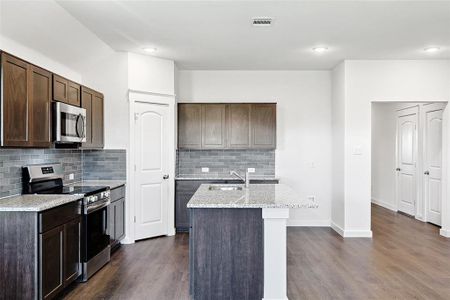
x=445, y=213
x=150, y=98
x=416, y=155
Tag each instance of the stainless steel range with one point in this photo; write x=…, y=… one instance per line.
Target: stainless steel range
x=94, y=243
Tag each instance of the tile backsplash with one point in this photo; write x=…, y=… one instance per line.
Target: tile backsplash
x=220, y=162
x=84, y=164
x=104, y=164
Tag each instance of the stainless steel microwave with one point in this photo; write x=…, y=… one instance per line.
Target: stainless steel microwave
x=69, y=123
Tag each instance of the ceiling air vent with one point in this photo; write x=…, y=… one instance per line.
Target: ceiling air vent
x=262, y=21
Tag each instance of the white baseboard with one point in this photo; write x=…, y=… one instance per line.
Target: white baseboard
x=445, y=232
x=127, y=241
x=171, y=232
x=351, y=233
x=385, y=204
x=337, y=228
x=308, y=223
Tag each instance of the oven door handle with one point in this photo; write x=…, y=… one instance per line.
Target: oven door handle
x=96, y=207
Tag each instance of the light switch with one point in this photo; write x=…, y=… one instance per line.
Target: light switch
x=205, y=170
x=71, y=176
x=357, y=150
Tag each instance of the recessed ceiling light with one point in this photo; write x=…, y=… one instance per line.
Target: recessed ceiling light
x=431, y=49
x=320, y=49
x=149, y=49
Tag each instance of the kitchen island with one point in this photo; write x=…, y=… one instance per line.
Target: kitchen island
x=238, y=240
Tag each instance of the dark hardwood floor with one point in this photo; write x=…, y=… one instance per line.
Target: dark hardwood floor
x=406, y=259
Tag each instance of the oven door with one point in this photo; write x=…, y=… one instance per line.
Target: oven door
x=69, y=123
x=95, y=233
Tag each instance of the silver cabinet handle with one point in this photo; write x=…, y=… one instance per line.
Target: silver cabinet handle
x=427, y=173
x=166, y=176
x=398, y=169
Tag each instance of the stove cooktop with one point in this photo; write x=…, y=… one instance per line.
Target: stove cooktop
x=75, y=190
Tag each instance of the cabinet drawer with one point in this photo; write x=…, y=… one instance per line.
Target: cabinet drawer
x=118, y=193
x=59, y=215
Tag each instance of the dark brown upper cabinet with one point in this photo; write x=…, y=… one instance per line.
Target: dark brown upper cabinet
x=238, y=122
x=92, y=101
x=263, y=126
x=66, y=91
x=227, y=126
x=40, y=111
x=214, y=129
x=190, y=126
x=26, y=103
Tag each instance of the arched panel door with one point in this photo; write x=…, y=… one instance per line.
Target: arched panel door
x=151, y=170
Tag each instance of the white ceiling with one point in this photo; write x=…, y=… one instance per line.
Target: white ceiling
x=218, y=34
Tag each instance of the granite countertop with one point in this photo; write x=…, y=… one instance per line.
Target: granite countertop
x=222, y=177
x=111, y=183
x=35, y=203
x=256, y=196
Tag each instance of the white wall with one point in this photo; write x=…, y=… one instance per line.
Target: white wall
x=151, y=74
x=384, y=132
x=338, y=125
x=367, y=81
x=303, y=124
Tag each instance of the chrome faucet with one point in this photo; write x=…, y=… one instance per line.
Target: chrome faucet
x=245, y=179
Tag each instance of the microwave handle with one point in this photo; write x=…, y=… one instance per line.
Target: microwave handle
x=80, y=118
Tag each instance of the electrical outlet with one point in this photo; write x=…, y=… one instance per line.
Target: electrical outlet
x=205, y=170
x=311, y=198
x=71, y=176
x=251, y=170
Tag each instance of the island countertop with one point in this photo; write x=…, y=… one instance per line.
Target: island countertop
x=255, y=196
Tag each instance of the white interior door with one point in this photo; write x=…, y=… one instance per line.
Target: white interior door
x=151, y=169
x=406, y=160
x=433, y=163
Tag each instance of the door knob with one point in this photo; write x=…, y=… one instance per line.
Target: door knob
x=426, y=172
x=398, y=169
x=166, y=176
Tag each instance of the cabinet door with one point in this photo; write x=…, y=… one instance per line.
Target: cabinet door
x=111, y=222
x=40, y=89
x=73, y=93
x=190, y=126
x=72, y=250
x=238, y=121
x=15, y=101
x=119, y=219
x=51, y=262
x=184, y=190
x=97, y=120
x=263, y=126
x=86, y=102
x=213, y=126
x=60, y=88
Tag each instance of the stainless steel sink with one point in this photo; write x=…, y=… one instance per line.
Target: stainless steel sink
x=225, y=188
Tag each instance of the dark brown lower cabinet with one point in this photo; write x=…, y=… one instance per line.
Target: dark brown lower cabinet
x=40, y=252
x=51, y=260
x=59, y=259
x=72, y=232
x=116, y=217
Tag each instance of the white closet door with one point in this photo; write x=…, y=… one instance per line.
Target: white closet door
x=406, y=160
x=433, y=162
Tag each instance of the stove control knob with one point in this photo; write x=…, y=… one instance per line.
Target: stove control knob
x=94, y=198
